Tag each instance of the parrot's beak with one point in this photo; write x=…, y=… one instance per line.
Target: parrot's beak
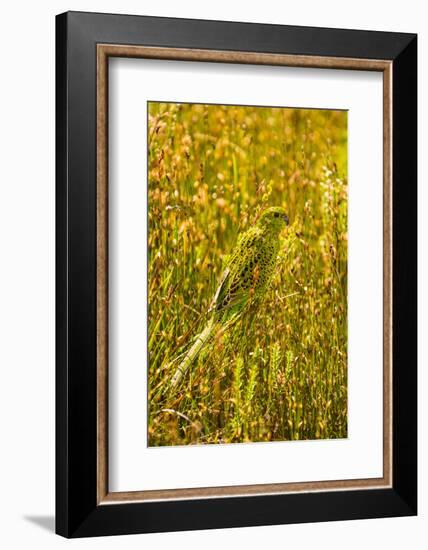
x=287, y=221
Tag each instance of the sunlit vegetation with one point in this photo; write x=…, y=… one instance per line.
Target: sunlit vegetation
x=279, y=373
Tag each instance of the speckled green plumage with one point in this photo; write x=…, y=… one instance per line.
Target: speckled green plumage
x=244, y=282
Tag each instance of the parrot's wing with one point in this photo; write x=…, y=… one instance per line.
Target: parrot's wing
x=237, y=280
x=224, y=283
x=220, y=289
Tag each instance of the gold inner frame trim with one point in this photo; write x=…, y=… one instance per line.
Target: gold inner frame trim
x=104, y=51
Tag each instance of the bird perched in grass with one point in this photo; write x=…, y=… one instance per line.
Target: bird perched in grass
x=244, y=282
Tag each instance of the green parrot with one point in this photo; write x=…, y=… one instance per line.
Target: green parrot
x=245, y=279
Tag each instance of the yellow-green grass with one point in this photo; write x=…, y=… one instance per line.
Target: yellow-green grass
x=279, y=373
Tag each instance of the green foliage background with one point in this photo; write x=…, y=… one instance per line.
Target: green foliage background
x=279, y=374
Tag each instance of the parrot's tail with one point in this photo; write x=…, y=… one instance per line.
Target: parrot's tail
x=200, y=341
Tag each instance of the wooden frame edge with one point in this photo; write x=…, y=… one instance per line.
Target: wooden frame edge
x=102, y=274
x=104, y=51
x=241, y=57
x=387, y=275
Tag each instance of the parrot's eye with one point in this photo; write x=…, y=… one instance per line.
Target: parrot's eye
x=276, y=215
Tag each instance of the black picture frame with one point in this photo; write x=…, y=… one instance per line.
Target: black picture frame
x=77, y=512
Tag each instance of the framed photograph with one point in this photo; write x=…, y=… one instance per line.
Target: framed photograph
x=236, y=274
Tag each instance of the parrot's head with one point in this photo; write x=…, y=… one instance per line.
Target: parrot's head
x=274, y=219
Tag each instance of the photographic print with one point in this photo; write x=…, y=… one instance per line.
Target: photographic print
x=247, y=274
